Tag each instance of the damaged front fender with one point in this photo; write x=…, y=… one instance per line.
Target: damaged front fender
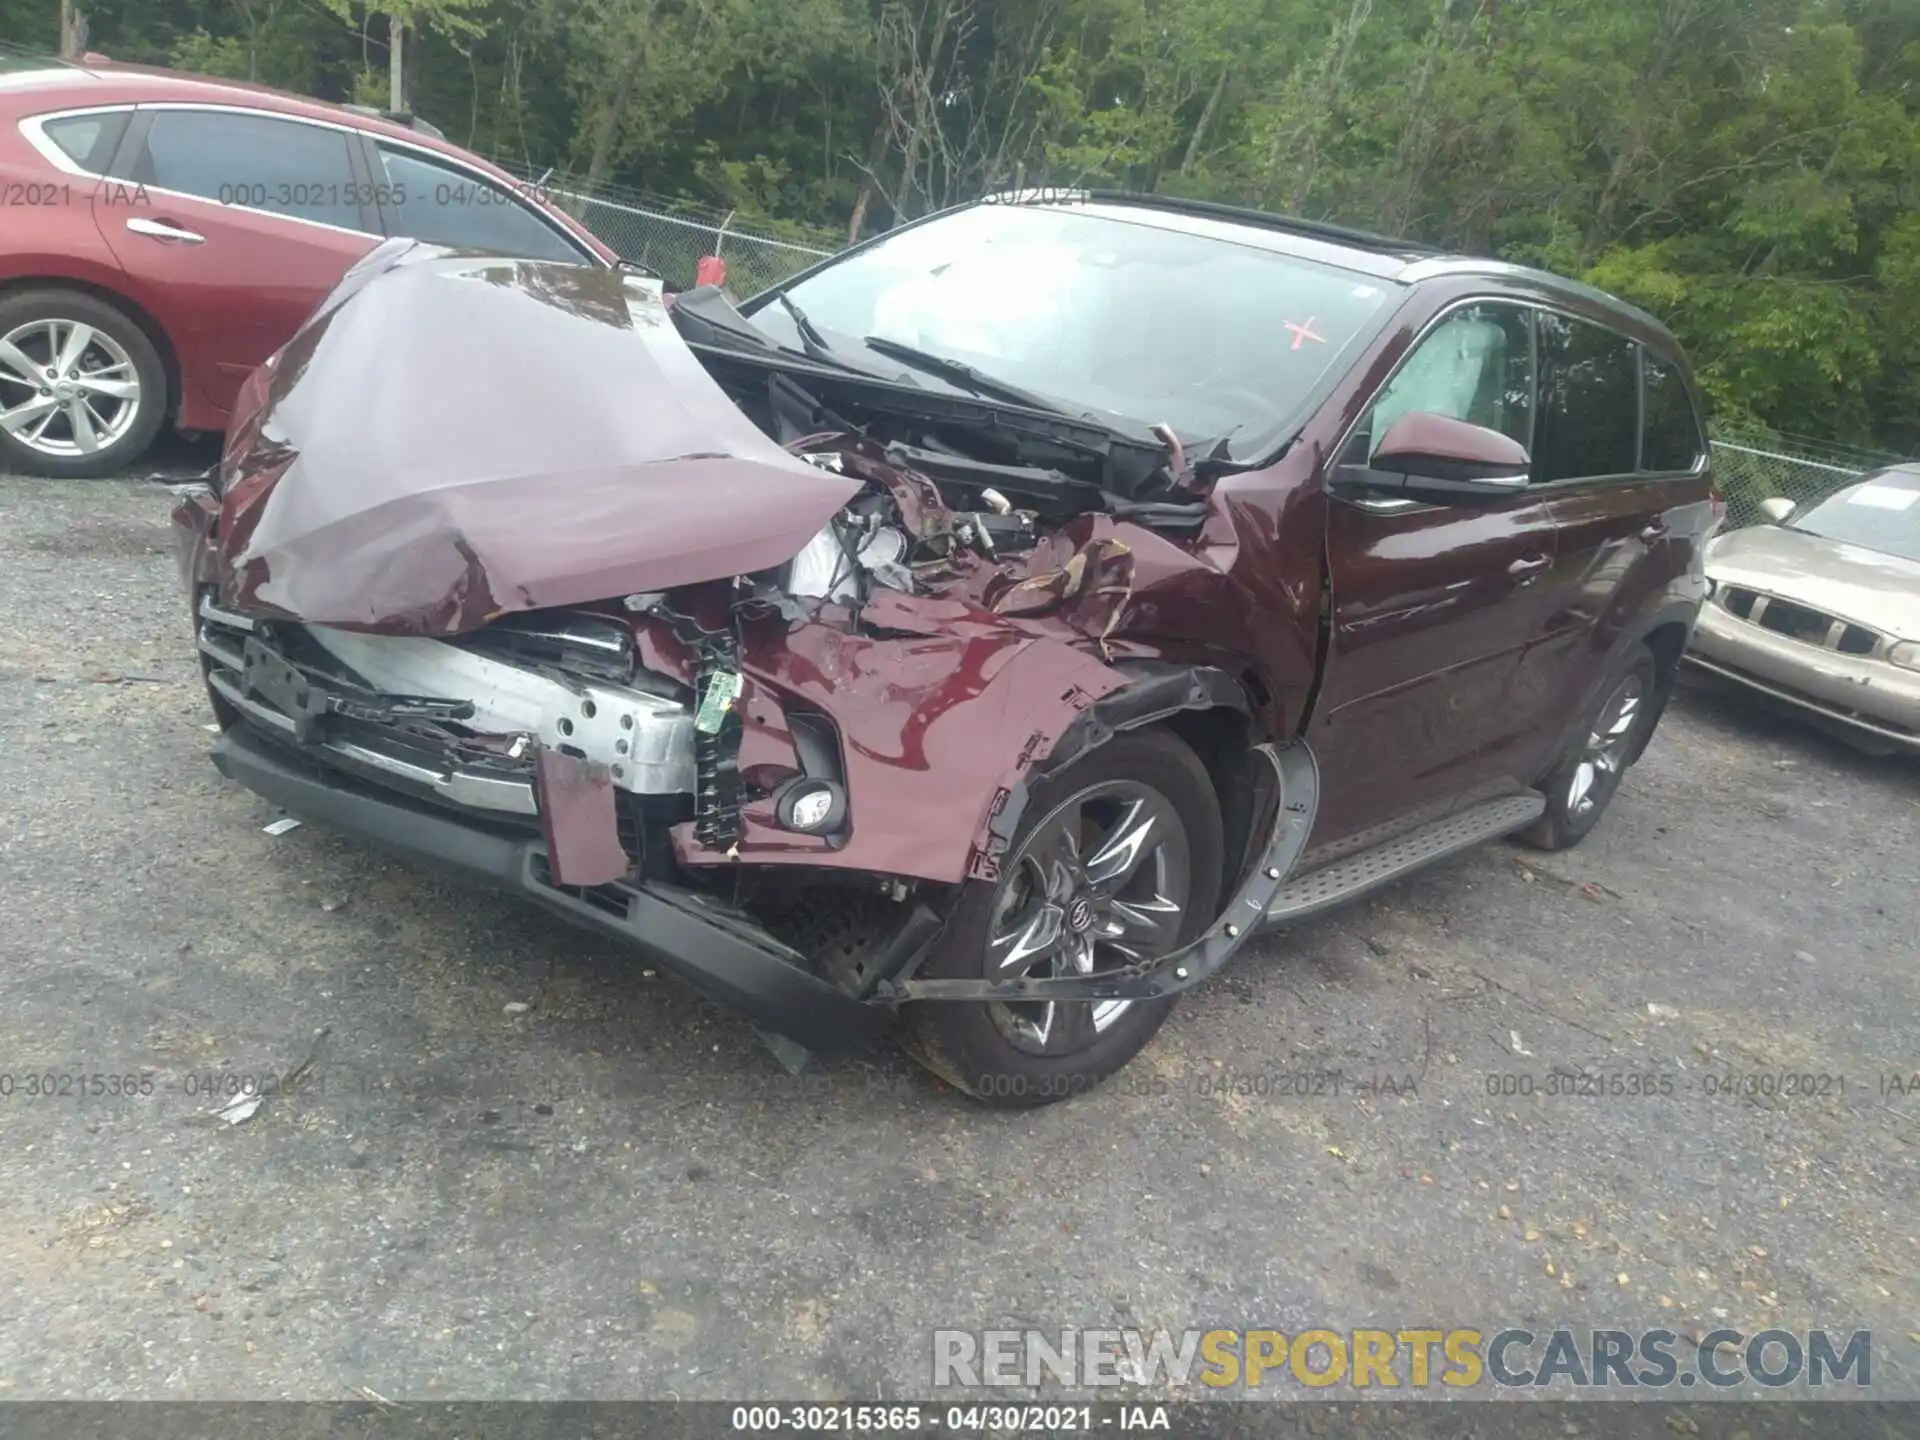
x=1291, y=787
x=935, y=734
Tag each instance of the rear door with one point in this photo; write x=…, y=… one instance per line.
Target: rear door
x=1432, y=607
x=238, y=224
x=1620, y=453
x=51, y=181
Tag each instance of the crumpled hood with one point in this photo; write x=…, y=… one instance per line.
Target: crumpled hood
x=1865, y=586
x=453, y=437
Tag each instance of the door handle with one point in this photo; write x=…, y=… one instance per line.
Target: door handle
x=161, y=230
x=1526, y=571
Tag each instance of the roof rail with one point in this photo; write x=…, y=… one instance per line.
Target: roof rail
x=1316, y=229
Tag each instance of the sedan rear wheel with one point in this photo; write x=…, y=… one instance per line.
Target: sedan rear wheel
x=82, y=390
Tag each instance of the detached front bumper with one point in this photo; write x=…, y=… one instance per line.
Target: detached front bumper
x=722, y=953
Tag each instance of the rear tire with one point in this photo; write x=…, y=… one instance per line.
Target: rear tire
x=105, y=402
x=1588, y=773
x=1136, y=826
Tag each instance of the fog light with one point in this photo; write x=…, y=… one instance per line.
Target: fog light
x=810, y=811
x=812, y=806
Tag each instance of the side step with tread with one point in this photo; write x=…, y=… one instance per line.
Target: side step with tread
x=1354, y=875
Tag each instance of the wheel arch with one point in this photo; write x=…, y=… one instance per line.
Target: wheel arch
x=1667, y=639
x=1207, y=709
x=135, y=313
x=1665, y=631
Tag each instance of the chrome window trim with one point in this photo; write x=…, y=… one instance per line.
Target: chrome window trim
x=214, y=108
x=47, y=148
x=221, y=107
x=33, y=132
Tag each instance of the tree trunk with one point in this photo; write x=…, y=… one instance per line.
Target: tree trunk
x=396, y=62
x=876, y=154
x=73, y=30
x=1192, y=157
x=603, y=143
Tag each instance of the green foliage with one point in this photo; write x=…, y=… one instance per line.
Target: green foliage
x=203, y=54
x=370, y=87
x=1745, y=169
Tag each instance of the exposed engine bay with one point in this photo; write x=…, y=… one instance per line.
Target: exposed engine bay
x=784, y=634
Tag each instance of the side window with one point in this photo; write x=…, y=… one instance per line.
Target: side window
x=1589, y=402
x=1672, y=440
x=283, y=166
x=445, y=206
x=1476, y=365
x=88, y=140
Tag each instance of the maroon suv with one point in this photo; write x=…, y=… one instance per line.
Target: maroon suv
x=982, y=635
x=162, y=234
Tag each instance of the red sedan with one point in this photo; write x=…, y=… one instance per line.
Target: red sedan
x=162, y=234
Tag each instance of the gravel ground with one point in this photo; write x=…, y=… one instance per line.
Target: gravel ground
x=615, y=1191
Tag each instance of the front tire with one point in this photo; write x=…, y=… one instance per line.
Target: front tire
x=82, y=389
x=1588, y=773
x=1118, y=857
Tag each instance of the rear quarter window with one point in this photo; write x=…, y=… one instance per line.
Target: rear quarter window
x=87, y=140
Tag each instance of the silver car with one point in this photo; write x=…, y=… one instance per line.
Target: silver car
x=1820, y=609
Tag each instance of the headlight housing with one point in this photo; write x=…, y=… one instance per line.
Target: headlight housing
x=1906, y=655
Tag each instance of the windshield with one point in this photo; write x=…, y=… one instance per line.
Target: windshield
x=1882, y=513
x=1215, y=338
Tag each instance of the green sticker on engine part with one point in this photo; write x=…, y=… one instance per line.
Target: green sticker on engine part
x=722, y=690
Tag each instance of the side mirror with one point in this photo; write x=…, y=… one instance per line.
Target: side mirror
x=1777, y=511
x=1442, y=461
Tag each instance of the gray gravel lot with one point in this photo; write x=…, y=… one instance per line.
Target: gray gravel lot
x=618, y=1193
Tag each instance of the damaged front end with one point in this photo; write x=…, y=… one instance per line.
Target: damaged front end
x=749, y=666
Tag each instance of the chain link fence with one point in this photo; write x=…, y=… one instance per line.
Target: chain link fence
x=673, y=244
x=1750, y=469
x=671, y=236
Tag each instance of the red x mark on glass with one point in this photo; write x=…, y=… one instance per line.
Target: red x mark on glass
x=1303, y=332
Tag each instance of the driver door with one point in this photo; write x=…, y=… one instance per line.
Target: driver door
x=1432, y=606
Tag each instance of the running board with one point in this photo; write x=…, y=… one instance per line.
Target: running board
x=1353, y=875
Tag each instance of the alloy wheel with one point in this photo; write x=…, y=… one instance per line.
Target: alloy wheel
x=1605, y=754
x=66, y=388
x=1101, y=883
